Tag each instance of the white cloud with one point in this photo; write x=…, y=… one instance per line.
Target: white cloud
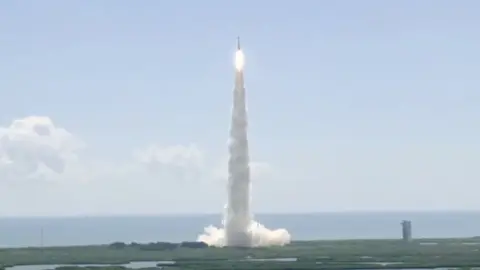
x=44, y=170
x=177, y=162
x=180, y=156
x=34, y=147
x=64, y=180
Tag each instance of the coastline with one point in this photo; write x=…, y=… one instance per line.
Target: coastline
x=344, y=254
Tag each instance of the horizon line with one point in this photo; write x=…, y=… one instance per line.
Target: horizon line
x=133, y=215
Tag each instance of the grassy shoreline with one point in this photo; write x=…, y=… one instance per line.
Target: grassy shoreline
x=318, y=254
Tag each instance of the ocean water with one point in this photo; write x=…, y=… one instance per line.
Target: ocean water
x=21, y=232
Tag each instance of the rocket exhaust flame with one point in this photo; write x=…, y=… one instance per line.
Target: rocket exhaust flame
x=240, y=229
x=239, y=60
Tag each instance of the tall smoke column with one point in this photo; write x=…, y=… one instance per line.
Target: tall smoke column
x=238, y=218
x=240, y=230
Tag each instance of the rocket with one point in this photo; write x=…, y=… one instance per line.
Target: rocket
x=239, y=57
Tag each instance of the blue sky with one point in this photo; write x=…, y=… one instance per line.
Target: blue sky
x=353, y=105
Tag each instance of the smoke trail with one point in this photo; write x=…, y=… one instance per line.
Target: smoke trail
x=239, y=229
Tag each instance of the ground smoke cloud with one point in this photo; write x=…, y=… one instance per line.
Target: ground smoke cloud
x=259, y=234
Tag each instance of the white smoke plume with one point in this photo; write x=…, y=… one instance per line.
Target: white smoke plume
x=239, y=228
x=260, y=236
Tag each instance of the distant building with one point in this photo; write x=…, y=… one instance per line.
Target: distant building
x=407, y=230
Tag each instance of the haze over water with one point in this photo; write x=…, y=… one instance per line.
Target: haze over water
x=101, y=230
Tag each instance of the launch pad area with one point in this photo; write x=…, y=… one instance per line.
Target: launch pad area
x=340, y=254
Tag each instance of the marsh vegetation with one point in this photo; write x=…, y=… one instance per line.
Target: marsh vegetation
x=340, y=254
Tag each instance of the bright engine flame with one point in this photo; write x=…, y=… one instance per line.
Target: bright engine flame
x=239, y=60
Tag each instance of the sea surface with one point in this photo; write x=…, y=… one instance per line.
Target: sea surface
x=21, y=232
